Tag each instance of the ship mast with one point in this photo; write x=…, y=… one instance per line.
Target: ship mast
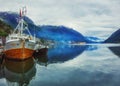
x=22, y=24
x=22, y=14
x=20, y=27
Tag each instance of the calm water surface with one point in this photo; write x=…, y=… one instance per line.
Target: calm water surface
x=91, y=65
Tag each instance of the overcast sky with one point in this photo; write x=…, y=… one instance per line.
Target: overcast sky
x=82, y=15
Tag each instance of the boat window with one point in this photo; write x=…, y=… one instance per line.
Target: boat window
x=13, y=37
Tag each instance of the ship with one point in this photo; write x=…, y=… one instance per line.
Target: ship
x=19, y=45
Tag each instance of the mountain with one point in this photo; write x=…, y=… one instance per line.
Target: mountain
x=12, y=18
x=48, y=32
x=57, y=33
x=114, y=38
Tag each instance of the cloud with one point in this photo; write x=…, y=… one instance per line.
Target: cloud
x=81, y=15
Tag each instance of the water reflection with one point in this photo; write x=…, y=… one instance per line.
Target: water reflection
x=115, y=50
x=1, y=70
x=41, y=56
x=88, y=69
x=19, y=73
x=64, y=53
x=58, y=54
x=92, y=69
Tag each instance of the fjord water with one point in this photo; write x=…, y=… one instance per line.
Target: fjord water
x=66, y=65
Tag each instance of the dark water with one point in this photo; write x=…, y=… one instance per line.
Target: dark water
x=65, y=65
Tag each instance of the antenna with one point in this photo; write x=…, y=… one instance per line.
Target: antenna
x=23, y=11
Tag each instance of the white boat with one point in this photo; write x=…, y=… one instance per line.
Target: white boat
x=19, y=45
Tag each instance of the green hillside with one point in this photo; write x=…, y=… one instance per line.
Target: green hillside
x=5, y=29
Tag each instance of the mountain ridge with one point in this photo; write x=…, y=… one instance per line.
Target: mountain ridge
x=55, y=33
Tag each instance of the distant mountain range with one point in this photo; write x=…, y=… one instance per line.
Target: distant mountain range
x=55, y=33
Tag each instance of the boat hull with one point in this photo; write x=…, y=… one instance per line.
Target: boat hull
x=19, y=54
x=19, y=50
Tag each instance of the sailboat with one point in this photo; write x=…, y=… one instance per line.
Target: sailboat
x=19, y=45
